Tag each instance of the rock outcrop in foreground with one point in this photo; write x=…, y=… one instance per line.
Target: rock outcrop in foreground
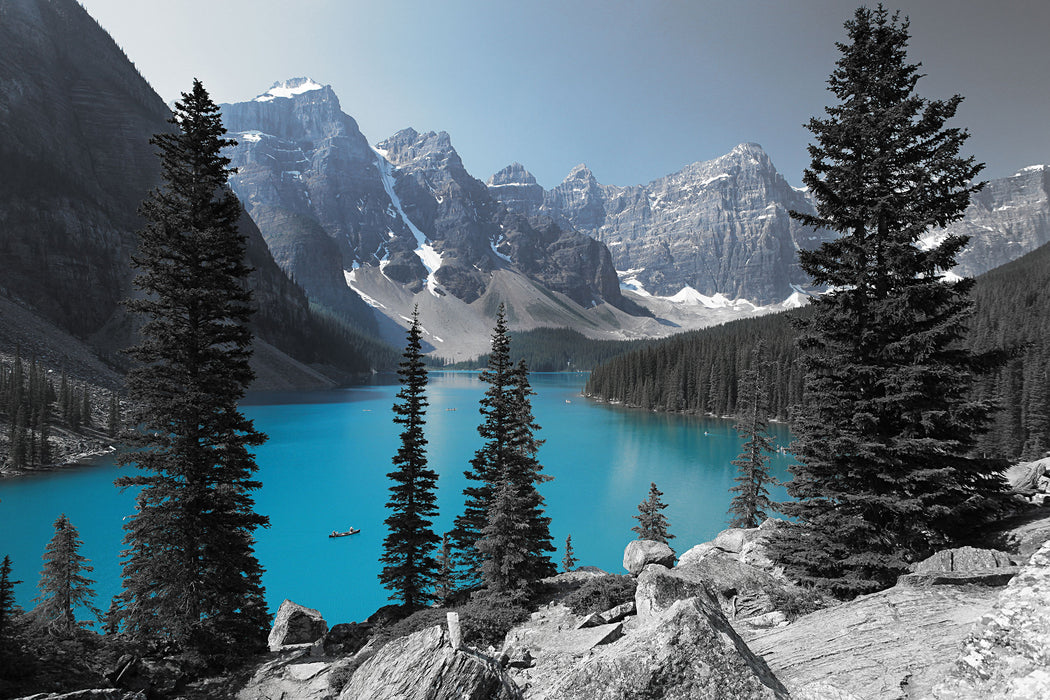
x=714, y=626
x=1007, y=655
x=686, y=652
x=424, y=665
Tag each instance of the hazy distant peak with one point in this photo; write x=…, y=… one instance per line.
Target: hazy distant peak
x=289, y=88
x=513, y=174
x=581, y=173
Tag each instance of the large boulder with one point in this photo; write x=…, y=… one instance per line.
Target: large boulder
x=893, y=644
x=294, y=625
x=641, y=553
x=733, y=539
x=1007, y=654
x=551, y=641
x=689, y=651
x=964, y=559
x=424, y=665
x=660, y=588
x=741, y=589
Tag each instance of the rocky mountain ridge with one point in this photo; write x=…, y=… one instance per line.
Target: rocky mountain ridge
x=1009, y=217
x=719, y=229
x=335, y=210
x=716, y=227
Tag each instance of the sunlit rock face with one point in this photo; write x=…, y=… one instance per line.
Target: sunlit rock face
x=719, y=227
x=329, y=203
x=1009, y=217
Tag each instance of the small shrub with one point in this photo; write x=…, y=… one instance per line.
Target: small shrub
x=600, y=593
x=797, y=601
x=487, y=618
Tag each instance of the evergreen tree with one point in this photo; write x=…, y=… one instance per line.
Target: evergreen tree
x=8, y=608
x=63, y=585
x=887, y=425
x=191, y=577
x=568, y=562
x=652, y=524
x=489, y=462
x=526, y=473
x=113, y=418
x=445, y=580
x=44, y=455
x=509, y=454
x=751, y=503
x=19, y=455
x=408, y=551
x=504, y=546
x=85, y=409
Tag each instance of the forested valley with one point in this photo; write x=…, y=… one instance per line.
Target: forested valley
x=698, y=372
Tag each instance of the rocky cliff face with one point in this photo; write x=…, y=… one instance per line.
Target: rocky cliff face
x=308, y=178
x=75, y=161
x=329, y=204
x=1005, y=220
x=720, y=227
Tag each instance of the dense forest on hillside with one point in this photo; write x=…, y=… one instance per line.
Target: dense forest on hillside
x=45, y=418
x=697, y=372
x=558, y=350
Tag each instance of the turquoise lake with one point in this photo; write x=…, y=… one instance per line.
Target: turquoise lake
x=325, y=464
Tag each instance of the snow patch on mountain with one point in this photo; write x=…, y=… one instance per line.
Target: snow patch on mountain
x=430, y=258
x=629, y=281
x=288, y=89
x=349, y=275
x=250, y=136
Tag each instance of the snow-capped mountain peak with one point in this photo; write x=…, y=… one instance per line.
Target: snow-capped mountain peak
x=289, y=88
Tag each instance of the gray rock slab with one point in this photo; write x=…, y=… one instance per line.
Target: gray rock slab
x=892, y=644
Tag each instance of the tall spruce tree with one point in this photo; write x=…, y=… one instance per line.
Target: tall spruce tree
x=409, y=567
x=506, y=462
x=488, y=464
x=526, y=474
x=63, y=586
x=504, y=546
x=885, y=471
x=652, y=523
x=751, y=503
x=191, y=577
x=8, y=607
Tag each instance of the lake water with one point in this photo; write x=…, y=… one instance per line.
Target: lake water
x=324, y=468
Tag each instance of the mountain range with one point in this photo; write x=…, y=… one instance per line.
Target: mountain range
x=362, y=233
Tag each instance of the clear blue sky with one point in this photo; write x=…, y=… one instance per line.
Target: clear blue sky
x=636, y=89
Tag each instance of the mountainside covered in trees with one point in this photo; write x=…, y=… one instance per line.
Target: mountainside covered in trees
x=698, y=371
x=76, y=161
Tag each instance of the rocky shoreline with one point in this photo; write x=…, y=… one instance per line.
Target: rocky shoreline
x=721, y=622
